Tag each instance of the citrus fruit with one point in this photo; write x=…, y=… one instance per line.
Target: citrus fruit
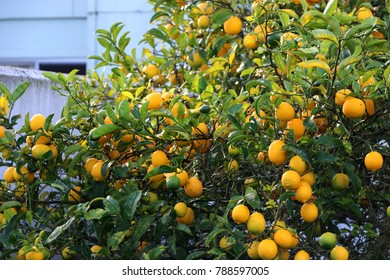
x=97, y=172
x=159, y=158
x=354, y=108
x=35, y=255
x=256, y=223
x=173, y=183
x=309, y=212
x=364, y=13
x=233, y=166
x=188, y=218
x=339, y=253
x=370, y=106
x=224, y=244
x=2, y=131
x=340, y=181
x=233, y=25
x=304, y=192
x=285, y=112
x=37, y=121
x=280, y=225
x=240, y=214
x=233, y=151
x=340, y=96
x=296, y=125
x=39, y=150
x=283, y=238
x=252, y=250
x=203, y=21
x=180, y=209
x=250, y=41
x=74, y=194
x=373, y=161
x=262, y=32
x=275, y=153
x=195, y=60
x=291, y=180
x=309, y=177
x=193, y=187
x=328, y=240
x=95, y=249
x=267, y=249
x=9, y=174
x=155, y=100
x=298, y=164
x=302, y=255
x=388, y=212
x=151, y=71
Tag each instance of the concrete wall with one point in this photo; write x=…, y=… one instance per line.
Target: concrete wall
x=64, y=30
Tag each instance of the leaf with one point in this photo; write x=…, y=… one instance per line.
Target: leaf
x=158, y=15
x=102, y=130
x=52, y=76
x=303, y=152
x=157, y=33
x=59, y=230
x=252, y=198
x=220, y=16
x=331, y=7
x=160, y=170
x=315, y=63
x=234, y=109
x=247, y=71
x=4, y=89
x=142, y=226
x=286, y=195
x=196, y=255
x=9, y=204
x=354, y=30
x=144, y=111
x=328, y=140
x=18, y=92
x=184, y=228
x=255, y=83
x=111, y=205
x=95, y=214
x=213, y=235
x=348, y=61
x=324, y=157
x=116, y=239
x=324, y=34
x=111, y=114
x=130, y=205
x=156, y=252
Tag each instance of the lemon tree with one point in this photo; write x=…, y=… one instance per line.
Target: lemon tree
x=247, y=130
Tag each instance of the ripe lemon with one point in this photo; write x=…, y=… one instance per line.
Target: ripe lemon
x=97, y=172
x=2, y=131
x=35, y=255
x=297, y=126
x=224, y=244
x=74, y=194
x=180, y=209
x=233, y=166
x=262, y=32
x=283, y=238
x=373, y=161
x=203, y=22
x=298, y=164
x=155, y=100
x=200, y=129
x=188, y=218
x=341, y=96
x=252, y=250
x=291, y=180
x=340, y=181
x=309, y=212
x=285, y=112
x=302, y=255
x=267, y=249
x=275, y=153
x=151, y=71
x=204, y=9
x=364, y=13
x=309, y=177
x=354, y=108
x=150, y=197
x=370, y=106
x=240, y=214
x=388, y=212
x=37, y=121
x=233, y=25
x=9, y=174
x=339, y=253
x=155, y=178
x=38, y=150
x=195, y=61
x=365, y=82
x=304, y=192
x=260, y=157
x=256, y=223
x=173, y=183
x=328, y=240
x=280, y=225
x=193, y=187
x=95, y=249
x=89, y=163
x=250, y=41
x=22, y=175
x=159, y=158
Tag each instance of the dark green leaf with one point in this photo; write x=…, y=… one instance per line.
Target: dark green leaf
x=95, y=214
x=234, y=109
x=116, y=239
x=255, y=83
x=286, y=195
x=324, y=157
x=142, y=226
x=328, y=140
x=303, y=152
x=213, y=235
x=220, y=16
x=9, y=204
x=130, y=205
x=111, y=205
x=184, y=228
x=102, y=130
x=18, y=92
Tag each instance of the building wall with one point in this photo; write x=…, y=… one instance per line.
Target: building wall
x=64, y=30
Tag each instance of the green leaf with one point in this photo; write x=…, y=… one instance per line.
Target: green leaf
x=303, y=152
x=235, y=121
x=252, y=198
x=324, y=157
x=144, y=111
x=234, y=109
x=255, y=83
x=286, y=195
x=160, y=170
x=4, y=89
x=52, y=76
x=324, y=34
x=155, y=253
x=220, y=16
x=131, y=204
x=102, y=130
x=247, y=71
x=116, y=239
x=59, y=230
x=213, y=235
x=158, y=15
x=142, y=226
x=111, y=205
x=331, y=7
x=183, y=228
x=111, y=114
x=9, y=204
x=357, y=29
x=157, y=33
x=74, y=148
x=18, y=92
x=95, y=214
x=328, y=140
x=348, y=61
x=315, y=64
x=196, y=255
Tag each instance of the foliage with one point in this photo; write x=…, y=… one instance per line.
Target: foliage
x=310, y=51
